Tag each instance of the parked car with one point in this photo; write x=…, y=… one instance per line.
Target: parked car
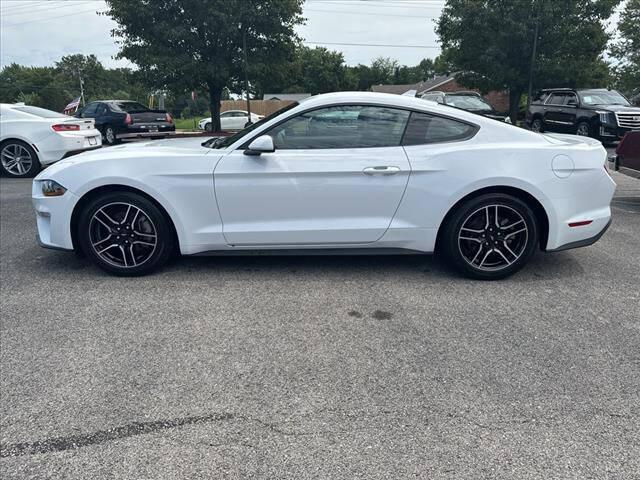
x=122, y=119
x=599, y=113
x=627, y=153
x=32, y=137
x=389, y=174
x=469, y=101
x=230, y=120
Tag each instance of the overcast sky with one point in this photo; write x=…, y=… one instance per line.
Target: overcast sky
x=39, y=32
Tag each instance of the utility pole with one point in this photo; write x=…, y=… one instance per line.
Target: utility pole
x=246, y=75
x=81, y=87
x=533, y=54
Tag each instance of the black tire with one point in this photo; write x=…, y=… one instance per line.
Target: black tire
x=537, y=126
x=208, y=127
x=486, y=243
x=583, y=129
x=18, y=159
x=130, y=233
x=109, y=135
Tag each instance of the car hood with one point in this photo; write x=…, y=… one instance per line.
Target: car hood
x=175, y=147
x=613, y=108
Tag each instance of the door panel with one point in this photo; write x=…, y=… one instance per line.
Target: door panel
x=310, y=197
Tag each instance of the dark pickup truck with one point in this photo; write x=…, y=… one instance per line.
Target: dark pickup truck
x=121, y=119
x=598, y=113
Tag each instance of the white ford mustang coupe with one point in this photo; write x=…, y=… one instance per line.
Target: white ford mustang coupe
x=342, y=172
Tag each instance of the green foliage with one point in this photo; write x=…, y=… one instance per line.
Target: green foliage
x=491, y=42
x=183, y=45
x=54, y=87
x=627, y=49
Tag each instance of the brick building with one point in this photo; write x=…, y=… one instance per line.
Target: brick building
x=446, y=83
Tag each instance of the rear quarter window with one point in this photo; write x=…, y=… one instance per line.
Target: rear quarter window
x=424, y=129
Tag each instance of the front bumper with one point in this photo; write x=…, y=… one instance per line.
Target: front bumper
x=53, y=218
x=613, y=132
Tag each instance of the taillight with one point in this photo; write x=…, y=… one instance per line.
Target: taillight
x=65, y=128
x=128, y=120
x=169, y=118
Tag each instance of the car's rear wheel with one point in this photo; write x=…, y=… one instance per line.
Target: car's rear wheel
x=583, y=129
x=109, y=135
x=125, y=234
x=536, y=125
x=490, y=237
x=18, y=159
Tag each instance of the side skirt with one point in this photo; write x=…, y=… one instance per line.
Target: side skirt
x=309, y=252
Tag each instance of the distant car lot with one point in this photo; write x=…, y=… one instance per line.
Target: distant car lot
x=358, y=367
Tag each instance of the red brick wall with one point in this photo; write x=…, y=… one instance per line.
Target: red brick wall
x=499, y=100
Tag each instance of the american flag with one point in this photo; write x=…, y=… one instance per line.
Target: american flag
x=73, y=106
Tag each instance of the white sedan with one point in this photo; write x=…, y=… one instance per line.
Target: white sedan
x=32, y=137
x=354, y=172
x=230, y=120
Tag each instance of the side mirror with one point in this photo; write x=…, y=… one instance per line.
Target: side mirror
x=262, y=144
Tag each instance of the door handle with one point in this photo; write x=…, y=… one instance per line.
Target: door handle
x=381, y=170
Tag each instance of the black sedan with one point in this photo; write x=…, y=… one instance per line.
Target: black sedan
x=122, y=119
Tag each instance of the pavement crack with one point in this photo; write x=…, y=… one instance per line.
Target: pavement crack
x=73, y=442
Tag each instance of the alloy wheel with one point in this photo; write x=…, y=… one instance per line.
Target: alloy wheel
x=123, y=235
x=493, y=237
x=110, y=135
x=583, y=130
x=16, y=159
x=536, y=126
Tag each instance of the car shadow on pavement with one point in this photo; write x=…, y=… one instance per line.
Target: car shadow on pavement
x=541, y=267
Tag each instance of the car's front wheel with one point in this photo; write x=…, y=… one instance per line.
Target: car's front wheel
x=18, y=159
x=125, y=234
x=536, y=125
x=208, y=127
x=583, y=129
x=490, y=237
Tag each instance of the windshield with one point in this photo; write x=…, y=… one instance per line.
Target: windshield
x=223, y=142
x=602, y=97
x=40, y=112
x=131, y=107
x=467, y=102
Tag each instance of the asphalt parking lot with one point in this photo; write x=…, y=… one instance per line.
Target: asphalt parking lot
x=320, y=367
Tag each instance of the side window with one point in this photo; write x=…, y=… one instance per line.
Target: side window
x=90, y=110
x=345, y=126
x=102, y=109
x=571, y=99
x=226, y=114
x=556, y=99
x=424, y=129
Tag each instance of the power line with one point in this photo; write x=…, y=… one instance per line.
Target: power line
x=379, y=14
x=50, y=18
x=370, y=45
x=39, y=9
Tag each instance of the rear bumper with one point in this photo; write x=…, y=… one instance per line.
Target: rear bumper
x=61, y=145
x=148, y=131
x=584, y=242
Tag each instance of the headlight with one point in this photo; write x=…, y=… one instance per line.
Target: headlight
x=604, y=116
x=52, y=189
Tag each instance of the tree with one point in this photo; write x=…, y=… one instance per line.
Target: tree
x=491, y=43
x=190, y=44
x=627, y=49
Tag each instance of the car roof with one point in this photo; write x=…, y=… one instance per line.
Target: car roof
x=388, y=99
